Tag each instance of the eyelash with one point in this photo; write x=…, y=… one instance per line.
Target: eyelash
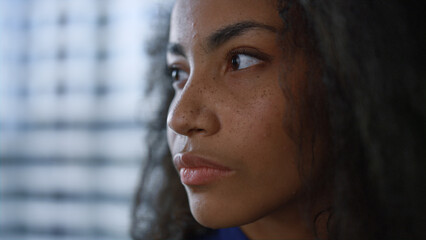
x=249, y=52
x=252, y=53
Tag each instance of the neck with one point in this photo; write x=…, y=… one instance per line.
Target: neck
x=290, y=225
x=291, y=222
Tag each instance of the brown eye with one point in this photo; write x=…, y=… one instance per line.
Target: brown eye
x=235, y=62
x=242, y=61
x=175, y=74
x=178, y=75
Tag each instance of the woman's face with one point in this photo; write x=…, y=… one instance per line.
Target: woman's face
x=226, y=122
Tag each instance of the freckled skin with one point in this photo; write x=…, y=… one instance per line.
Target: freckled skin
x=235, y=118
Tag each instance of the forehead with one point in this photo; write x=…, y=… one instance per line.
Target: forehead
x=194, y=19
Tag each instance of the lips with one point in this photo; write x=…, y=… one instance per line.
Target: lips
x=195, y=170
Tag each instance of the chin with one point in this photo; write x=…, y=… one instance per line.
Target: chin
x=216, y=214
x=214, y=220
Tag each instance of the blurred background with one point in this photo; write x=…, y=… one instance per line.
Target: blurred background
x=73, y=114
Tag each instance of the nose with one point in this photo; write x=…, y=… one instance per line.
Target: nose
x=192, y=111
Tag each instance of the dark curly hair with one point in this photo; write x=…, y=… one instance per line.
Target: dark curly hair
x=372, y=57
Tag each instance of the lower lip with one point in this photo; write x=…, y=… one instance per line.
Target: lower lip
x=202, y=175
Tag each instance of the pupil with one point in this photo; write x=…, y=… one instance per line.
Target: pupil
x=235, y=61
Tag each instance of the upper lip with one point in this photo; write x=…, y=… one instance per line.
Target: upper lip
x=189, y=160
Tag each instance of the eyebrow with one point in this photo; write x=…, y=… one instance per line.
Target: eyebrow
x=223, y=35
x=176, y=49
x=226, y=33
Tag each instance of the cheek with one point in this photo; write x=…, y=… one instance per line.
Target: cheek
x=175, y=141
x=266, y=130
x=256, y=133
x=171, y=137
x=260, y=119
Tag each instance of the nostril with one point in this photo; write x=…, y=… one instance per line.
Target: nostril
x=197, y=130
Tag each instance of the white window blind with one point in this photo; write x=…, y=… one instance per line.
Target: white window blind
x=72, y=116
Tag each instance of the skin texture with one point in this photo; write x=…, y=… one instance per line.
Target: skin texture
x=233, y=115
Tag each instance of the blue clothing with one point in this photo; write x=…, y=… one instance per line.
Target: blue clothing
x=233, y=233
